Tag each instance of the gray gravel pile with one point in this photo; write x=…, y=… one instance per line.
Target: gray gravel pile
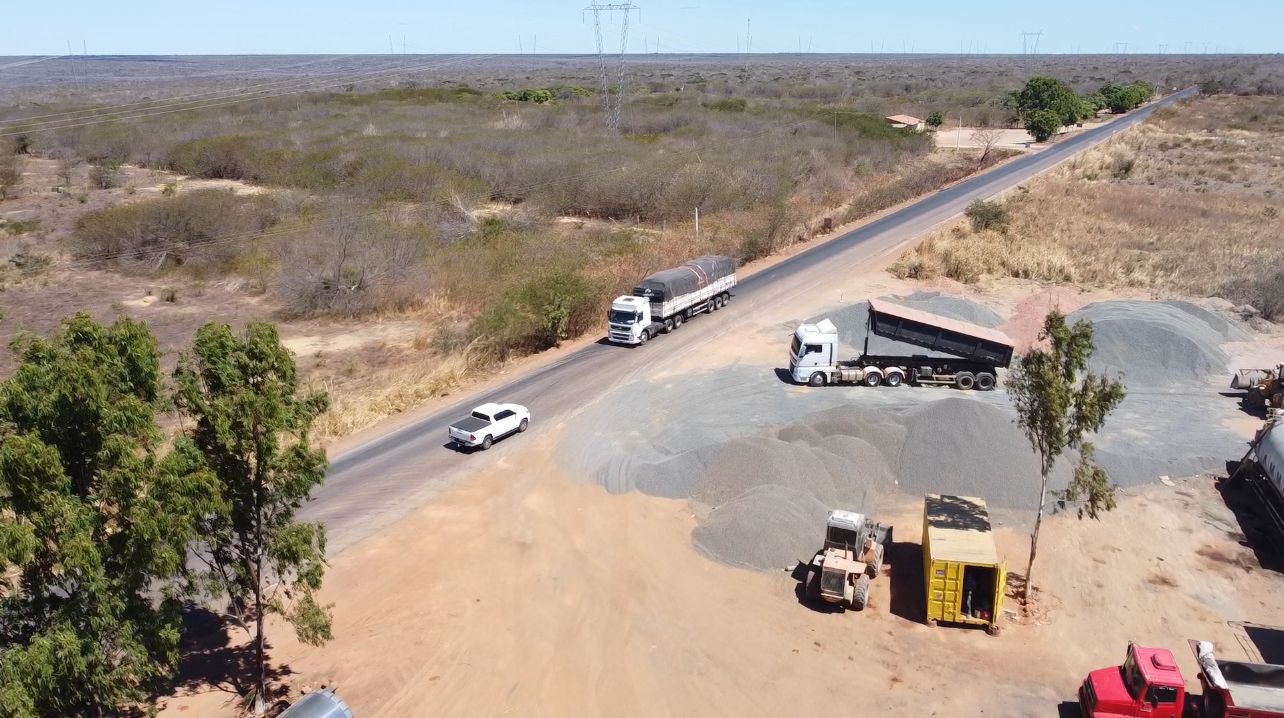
x=768, y=526
x=960, y=446
x=765, y=494
x=761, y=461
x=1156, y=343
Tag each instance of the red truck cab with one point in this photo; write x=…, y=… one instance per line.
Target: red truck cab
x=1148, y=684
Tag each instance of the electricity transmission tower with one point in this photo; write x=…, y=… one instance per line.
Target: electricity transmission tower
x=612, y=102
x=1028, y=47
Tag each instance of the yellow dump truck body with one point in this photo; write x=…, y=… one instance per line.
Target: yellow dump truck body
x=964, y=579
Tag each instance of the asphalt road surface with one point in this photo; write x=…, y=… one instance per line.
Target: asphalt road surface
x=380, y=481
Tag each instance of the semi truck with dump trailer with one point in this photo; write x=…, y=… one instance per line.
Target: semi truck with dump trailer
x=662, y=301
x=976, y=352
x=1149, y=683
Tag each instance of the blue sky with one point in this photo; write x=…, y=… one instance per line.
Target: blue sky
x=365, y=26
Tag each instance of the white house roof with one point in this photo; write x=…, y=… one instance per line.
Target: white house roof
x=904, y=119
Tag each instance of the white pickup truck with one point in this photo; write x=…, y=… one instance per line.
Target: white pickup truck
x=488, y=423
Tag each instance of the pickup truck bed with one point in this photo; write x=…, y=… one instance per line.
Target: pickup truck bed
x=470, y=424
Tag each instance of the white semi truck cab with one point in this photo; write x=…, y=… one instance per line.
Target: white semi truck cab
x=661, y=302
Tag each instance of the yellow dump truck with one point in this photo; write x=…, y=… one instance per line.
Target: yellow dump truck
x=964, y=579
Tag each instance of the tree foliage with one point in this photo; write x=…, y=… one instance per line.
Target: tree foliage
x=1127, y=97
x=1052, y=95
x=252, y=433
x=1042, y=124
x=1058, y=404
x=935, y=119
x=94, y=525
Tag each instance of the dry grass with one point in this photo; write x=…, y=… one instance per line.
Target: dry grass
x=358, y=405
x=1174, y=207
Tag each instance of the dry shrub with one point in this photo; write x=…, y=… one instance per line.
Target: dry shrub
x=352, y=264
x=204, y=228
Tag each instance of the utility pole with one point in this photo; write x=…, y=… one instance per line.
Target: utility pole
x=697, y=237
x=612, y=103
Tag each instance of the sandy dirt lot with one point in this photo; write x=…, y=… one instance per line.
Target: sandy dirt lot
x=527, y=591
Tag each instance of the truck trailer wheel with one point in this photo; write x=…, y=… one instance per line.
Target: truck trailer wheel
x=872, y=378
x=726, y=297
x=964, y=380
x=985, y=381
x=709, y=306
x=817, y=379
x=893, y=378
x=860, y=593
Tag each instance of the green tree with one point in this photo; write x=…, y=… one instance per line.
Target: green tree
x=94, y=525
x=935, y=119
x=1048, y=93
x=252, y=432
x=1059, y=403
x=1042, y=124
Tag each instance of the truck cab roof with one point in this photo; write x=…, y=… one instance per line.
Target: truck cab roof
x=1158, y=666
x=629, y=302
x=822, y=330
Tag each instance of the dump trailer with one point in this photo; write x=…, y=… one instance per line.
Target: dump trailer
x=662, y=301
x=1149, y=683
x=976, y=352
x=964, y=578
x=841, y=571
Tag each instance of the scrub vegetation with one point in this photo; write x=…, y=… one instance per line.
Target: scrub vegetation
x=1188, y=204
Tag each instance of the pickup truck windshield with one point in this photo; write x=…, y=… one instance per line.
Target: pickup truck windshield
x=479, y=415
x=620, y=316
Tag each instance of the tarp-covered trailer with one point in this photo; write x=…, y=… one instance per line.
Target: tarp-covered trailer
x=662, y=301
x=964, y=579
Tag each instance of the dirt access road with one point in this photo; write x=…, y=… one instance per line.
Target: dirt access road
x=374, y=484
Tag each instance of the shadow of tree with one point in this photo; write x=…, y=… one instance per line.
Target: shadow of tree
x=210, y=658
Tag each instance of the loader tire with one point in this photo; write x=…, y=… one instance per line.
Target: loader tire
x=876, y=561
x=860, y=593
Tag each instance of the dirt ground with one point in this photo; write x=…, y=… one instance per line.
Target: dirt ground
x=525, y=591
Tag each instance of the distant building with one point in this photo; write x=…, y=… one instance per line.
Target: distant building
x=903, y=121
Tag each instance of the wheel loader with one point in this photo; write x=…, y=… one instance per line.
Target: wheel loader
x=840, y=573
x=1261, y=387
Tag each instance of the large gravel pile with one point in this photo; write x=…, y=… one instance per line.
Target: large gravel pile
x=1157, y=343
x=761, y=461
x=763, y=494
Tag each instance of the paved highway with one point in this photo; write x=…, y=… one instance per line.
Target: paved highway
x=380, y=481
